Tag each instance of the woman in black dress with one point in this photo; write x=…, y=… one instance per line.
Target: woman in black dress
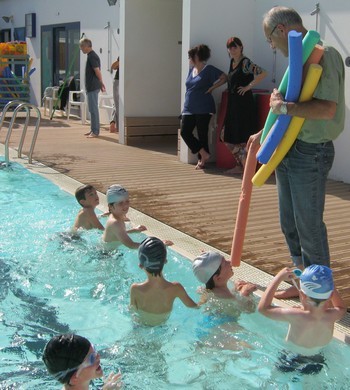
x=240, y=121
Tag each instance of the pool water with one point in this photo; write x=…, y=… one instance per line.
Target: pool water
x=51, y=284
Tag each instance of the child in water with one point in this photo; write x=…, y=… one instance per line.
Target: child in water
x=152, y=300
x=87, y=197
x=73, y=361
x=310, y=326
x=212, y=269
x=115, y=233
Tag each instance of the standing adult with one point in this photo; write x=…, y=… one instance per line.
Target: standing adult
x=199, y=103
x=93, y=85
x=113, y=125
x=302, y=174
x=240, y=121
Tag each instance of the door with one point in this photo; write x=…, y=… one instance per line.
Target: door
x=60, y=54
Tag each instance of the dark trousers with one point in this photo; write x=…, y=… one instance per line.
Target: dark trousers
x=188, y=124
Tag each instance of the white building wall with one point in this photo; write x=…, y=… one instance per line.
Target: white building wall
x=151, y=57
x=212, y=23
x=93, y=16
x=333, y=26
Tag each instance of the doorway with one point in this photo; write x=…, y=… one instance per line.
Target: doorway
x=60, y=54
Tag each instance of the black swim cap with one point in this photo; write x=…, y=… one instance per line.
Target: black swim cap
x=63, y=353
x=152, y=254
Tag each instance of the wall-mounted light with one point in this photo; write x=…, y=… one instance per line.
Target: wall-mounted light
x=8, y=19
x=112, y=2
x=316, y=11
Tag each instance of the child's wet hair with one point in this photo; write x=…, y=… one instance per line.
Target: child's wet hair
x=81, y=191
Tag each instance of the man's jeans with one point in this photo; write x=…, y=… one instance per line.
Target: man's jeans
x=301, y=183
x=92, y=98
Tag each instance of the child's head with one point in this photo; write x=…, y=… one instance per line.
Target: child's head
x=86, y=196
x=152, y=255
x=316, y=282
x=70, y=358
x=209, y=267
x=117, y=199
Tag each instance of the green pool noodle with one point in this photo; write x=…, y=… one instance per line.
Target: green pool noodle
x=311, y=38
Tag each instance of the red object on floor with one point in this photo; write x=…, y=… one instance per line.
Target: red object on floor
x=224, y=158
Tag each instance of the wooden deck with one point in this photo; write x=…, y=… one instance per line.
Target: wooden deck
x=202, y=204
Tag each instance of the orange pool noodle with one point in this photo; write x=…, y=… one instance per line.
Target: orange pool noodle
x=243, y=206
x=314, y=58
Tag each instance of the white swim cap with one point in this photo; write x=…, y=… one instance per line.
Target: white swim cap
x=205, y=265
x=116, y=193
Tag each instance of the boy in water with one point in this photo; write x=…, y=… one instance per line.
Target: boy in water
x=73, y=361
x=115, y=232
x=310, y=326
x=153, y=299
x=212, y=269
x=87, y=198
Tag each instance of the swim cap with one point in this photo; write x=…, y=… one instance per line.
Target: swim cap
x=63, y=354
x=116, y=193
x=152, y=254
x=205, y=265
x=316, y=281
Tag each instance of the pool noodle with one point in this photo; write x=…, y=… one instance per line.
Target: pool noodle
x=315, y=58
x=309, y=41
x=293, y=90
x=310, y=84
x=243, y=206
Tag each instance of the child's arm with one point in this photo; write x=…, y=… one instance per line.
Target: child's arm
x=96, y=224
x=339, y=305
x=122, y=235
x=185, y=298
x=265, y=305
x=133, y=302
x=139, y=228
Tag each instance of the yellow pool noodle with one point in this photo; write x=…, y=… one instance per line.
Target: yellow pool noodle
x=310, y=84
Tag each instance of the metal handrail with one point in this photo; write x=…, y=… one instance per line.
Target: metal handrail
x=27, y=107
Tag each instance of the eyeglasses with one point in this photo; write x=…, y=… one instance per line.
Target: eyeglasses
x=269, y=40
x=89, y=361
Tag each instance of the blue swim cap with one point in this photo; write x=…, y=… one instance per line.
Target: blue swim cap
x=316, y=281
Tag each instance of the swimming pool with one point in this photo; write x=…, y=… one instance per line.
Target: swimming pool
x=51, y=284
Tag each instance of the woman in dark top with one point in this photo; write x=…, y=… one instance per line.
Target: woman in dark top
x=199, y=104
x=240, y=121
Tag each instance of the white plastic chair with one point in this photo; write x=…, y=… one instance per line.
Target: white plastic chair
x=80, y=103
x=106, y=102
x=50, y=98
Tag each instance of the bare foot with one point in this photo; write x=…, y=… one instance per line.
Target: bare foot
x=112, y=128
x=291, y=292
x=205, y=156
x=92, y=135
x=199, y=165
x=88, y=133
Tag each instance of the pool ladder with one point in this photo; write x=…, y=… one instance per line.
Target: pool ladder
x=20, y=106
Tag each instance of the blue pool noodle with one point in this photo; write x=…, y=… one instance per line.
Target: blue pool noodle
x=293, y=90
x=309, y=42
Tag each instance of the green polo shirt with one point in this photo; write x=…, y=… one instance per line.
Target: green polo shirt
x=330, y=87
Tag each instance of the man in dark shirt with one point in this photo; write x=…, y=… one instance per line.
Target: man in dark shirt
x=93, y=85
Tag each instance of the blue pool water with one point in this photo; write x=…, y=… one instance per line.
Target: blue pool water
x=50, y=284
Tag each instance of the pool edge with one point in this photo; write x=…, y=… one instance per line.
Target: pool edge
x=190, y=247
